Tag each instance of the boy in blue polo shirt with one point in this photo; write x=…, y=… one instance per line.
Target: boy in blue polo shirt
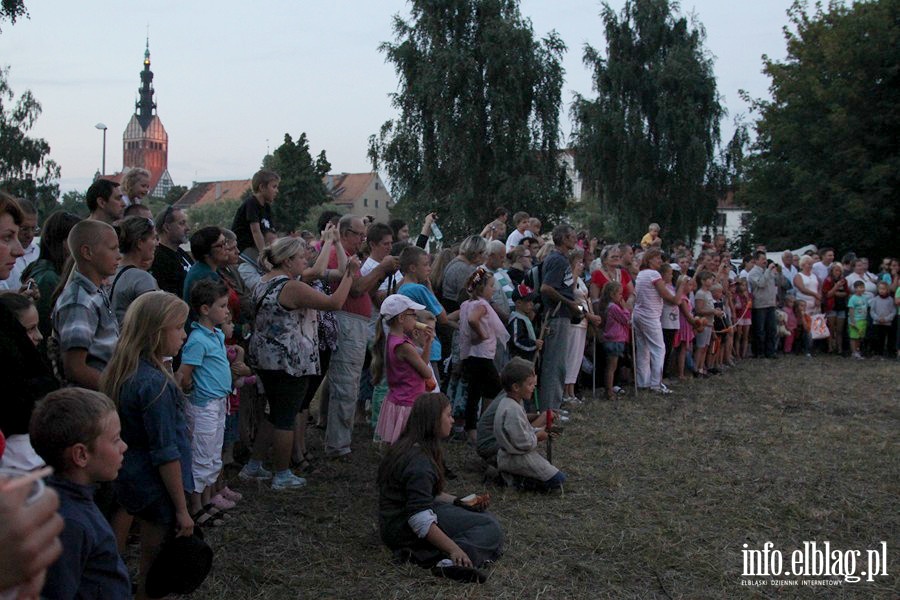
x=205, y=375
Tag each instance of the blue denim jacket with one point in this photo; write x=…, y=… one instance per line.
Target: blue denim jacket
x=151, y=409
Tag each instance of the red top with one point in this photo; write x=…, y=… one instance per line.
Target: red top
x=600, y=280
x=361, y=305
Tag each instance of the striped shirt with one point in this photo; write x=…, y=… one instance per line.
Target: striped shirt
x=83, y=319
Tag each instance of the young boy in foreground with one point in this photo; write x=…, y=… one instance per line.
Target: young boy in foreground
x=76, y=431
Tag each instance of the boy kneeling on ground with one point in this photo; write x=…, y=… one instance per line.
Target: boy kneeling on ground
x=520, y=464
x=76, y=431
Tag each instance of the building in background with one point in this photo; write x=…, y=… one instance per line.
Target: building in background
x=360, y=194
x=145, y=142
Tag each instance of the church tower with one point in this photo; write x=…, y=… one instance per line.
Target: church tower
x=145, y=141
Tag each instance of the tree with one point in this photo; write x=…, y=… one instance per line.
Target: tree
x=646, y=145
x=25, y=170
x=174, y=194
x=825, y=164
x=220, y=214
x=12, y=10
x=301, y=186
x=479, y=105
x=73, y=202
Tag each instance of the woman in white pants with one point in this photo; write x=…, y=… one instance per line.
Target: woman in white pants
x=578, y=332
x=650, y=348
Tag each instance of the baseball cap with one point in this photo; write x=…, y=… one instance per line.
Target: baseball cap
x=397, y=304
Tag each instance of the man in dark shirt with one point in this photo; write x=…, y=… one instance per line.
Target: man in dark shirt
x=558, y=297
x=253, y=219
x=171, y=263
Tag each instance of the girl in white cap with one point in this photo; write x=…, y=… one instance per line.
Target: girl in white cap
x=395, y=354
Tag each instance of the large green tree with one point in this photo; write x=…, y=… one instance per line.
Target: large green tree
x=301, y=186
x=25, y=170
x=479, y=104
x=826, y=161
x=646, y=144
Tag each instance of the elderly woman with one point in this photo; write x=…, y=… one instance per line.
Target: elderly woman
x=806, y=286
x=861, y=273
x=650, y=349
x=284, y=349
x=471, y=254
x=611, y=270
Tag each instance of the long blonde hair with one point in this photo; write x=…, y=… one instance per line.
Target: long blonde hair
x=142, y=337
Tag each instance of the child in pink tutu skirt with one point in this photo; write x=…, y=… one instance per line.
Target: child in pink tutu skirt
x=395, y=355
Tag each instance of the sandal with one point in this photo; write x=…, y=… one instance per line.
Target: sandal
x=216, y=513
x=305, y=462
x=202, y=518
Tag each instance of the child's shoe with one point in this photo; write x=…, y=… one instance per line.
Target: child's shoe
x=286, y=480
x=222, y=503
x=251, y=472
x=230, y=494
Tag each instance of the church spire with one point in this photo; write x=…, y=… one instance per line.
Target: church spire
x=145, y=105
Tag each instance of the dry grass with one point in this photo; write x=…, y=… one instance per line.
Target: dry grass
x=661, y=496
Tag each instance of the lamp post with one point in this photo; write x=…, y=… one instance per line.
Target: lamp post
x=103, y=167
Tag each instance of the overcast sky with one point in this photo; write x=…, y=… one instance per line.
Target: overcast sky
x=232, y=77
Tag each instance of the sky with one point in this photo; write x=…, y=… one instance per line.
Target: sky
x=232, y=77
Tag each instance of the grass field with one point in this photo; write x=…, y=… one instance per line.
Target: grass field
x=662, y=494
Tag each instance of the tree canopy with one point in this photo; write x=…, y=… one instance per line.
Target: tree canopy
x=646, y=144
x=479, y=103
x=25, y=170
x=824, y=168
x=301, y=186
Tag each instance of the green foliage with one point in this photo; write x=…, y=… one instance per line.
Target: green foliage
x=73, y=202
x=215, y=213
x=645, y=146
x=825, y=165
x=12, y=10
x=479, y=105
x=174, y=194
x=25, y=170
x=301, y=186
x=311, y=223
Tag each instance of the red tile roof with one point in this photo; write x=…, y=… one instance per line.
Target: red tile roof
x=207, y=192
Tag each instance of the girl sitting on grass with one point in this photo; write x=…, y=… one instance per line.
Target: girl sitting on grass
x=418, y=520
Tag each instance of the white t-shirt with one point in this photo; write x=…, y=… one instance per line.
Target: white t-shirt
x=369, y=266
x=515, y=237
x=648, y=303
x=869, y=279
x=670, y=313
x=820, y=270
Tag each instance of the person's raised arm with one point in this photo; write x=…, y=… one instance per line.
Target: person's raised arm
x=666, y=295
x=370, y=282
x=321, y=265
x=422, y=239
x=297, y=294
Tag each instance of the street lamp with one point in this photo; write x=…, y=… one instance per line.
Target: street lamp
x=103, y=167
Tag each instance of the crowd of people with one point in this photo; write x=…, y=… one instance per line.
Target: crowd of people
x=142, y=358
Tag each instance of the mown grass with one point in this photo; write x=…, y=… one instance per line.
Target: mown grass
x=662, y=494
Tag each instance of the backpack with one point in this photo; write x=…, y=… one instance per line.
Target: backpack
x=534, y=277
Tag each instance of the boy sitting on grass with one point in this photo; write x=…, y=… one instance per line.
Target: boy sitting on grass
x=76, y=431
x=519, y=462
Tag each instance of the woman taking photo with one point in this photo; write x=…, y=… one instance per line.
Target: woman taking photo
x=284, y=349
x=418, y=520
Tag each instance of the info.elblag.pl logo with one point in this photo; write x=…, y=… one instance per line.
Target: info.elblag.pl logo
x=813, y=564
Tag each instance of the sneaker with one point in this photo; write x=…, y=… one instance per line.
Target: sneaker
x=250, y=474
x=662, y=389
x=620, y=391
x=857, y=356
x=287, y=481
x=572, y=401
